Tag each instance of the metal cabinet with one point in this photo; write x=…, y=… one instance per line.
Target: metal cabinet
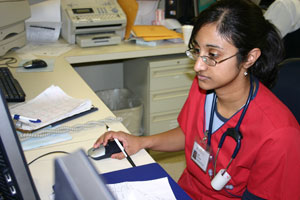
x=163, y=83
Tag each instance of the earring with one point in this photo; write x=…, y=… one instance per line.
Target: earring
x=245, y=73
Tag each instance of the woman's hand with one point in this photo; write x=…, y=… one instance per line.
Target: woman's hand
x=131, y=143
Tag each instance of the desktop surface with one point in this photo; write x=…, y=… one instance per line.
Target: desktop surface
x=64, y=76
x=126, y=50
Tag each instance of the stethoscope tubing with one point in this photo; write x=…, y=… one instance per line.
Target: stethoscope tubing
x=237, y=135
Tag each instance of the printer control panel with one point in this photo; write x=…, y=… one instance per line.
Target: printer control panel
x=94, y=14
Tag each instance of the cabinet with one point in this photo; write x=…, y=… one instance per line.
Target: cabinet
x=163, y=83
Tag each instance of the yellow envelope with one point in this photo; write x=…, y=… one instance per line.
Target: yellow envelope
x=151, y=38
x=153, y=31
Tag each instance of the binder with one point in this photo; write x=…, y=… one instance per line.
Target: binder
x=143, y=173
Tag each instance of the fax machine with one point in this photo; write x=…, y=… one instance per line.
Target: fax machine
x=92, y=22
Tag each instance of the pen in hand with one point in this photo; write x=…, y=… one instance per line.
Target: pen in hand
x=124, y=152
x=25, y=119
x=107, y=128
x=122, y=148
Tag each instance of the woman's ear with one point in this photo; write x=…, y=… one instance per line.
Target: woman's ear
x=253, y=55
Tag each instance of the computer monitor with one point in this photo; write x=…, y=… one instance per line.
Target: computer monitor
x=185, y=11
x=77, y=179
x=182, y=10
x=15, y=177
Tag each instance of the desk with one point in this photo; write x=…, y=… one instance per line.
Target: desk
x=66, y=77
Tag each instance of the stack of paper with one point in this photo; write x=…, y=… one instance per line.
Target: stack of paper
x=50, y=106
x=150, y=33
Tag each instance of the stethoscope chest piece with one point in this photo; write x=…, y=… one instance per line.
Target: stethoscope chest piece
x=220, y=180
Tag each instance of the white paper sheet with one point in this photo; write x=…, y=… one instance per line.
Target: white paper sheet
x=157, y=189
x=43, y=31
x=32, y=51
x=45, y=22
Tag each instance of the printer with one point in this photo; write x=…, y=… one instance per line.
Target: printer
x=92, y=22
x=12, y=24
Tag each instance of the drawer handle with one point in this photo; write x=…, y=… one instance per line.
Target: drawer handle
x=166, y=117
x=172, y=72
x=171, y=94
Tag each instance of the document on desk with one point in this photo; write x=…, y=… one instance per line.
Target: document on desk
x=158, y=189
x=52, y=105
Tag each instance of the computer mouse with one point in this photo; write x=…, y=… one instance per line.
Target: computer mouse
x=36, y=63
x=104, y=151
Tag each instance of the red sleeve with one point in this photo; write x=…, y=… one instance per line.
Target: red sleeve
x=276, y=171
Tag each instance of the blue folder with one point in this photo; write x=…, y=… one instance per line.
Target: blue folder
x=143, y=173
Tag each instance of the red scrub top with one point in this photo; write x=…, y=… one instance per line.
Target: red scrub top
x=268, y=163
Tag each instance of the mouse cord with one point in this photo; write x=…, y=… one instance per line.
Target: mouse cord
x=8, y=61
x=68, y=129
x=46, y=154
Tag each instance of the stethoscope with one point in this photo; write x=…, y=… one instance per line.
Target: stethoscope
x=232, y=132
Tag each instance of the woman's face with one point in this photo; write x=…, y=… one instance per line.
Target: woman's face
x=225, y=74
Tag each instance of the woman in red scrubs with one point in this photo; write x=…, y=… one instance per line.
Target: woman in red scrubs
x=236, y=52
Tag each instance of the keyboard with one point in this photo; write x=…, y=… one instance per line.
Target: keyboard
x=10, y=87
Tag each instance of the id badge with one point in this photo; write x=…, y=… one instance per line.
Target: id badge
x=200, y=155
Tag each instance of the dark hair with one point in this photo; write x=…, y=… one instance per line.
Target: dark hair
x=242, y=23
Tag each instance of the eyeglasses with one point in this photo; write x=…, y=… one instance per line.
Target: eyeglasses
x=195, y=54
